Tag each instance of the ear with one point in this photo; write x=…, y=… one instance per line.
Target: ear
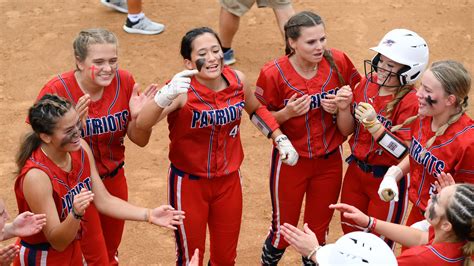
x=451, y=100
x=189, y=64
x=45, y=137
x=446, y=226
x=79, y=64
x=292, y=43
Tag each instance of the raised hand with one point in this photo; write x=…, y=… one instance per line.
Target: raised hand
x=365, y=112
x=344, y=98
x=351, y=212
x=138, y=100
x=82, y=201
x=297, y=106
x=303, y=241
x=288, y=154
x=166, y=216
x=329, y=103
x=82, y=108
x=443, y=181
x=388, y=188
x=8, y=253
x=179, y=84
x=27, y=224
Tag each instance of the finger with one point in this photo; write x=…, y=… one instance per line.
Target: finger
x=292, y=98
x=187, y=73
x=330, y=96
x=135, y=89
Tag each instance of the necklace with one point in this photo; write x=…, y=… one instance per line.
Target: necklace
x=63, y=165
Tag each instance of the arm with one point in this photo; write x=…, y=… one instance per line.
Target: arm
x=38, y=192
x=109, y=205
x=25, y=224
x=404, y=235
x=345, y=120
x=294, y=107
x=137, y=101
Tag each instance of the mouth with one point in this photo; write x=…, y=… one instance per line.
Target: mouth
x=212, y=67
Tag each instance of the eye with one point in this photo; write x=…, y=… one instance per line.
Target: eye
x=311, y=42
x=323, y=39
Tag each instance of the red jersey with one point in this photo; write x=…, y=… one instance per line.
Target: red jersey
x=205, y=133
x=316, y=133
x=438, y=254
x=107, y=120
x=453, y=153
x=363, y=146
x=65, y=186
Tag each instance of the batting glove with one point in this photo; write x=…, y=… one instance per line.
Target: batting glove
x=179, y=84
x=388, y=189
x=288, y=154
x=365, y=111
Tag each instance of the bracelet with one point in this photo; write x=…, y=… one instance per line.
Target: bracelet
x=76, y=215
x=372, y=226
x=370, y=221
x=313, y=252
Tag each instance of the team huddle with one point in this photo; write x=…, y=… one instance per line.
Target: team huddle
x=408, y=144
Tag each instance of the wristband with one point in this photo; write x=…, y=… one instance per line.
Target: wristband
x=313, y=252
x=76, y=215
x=372, y=226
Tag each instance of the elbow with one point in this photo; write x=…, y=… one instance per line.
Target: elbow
x=59, y=246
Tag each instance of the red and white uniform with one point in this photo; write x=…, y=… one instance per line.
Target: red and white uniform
x=204, y=178
x=106, y=127
x=440, y=254
x=35, y=249
x=369, y=162
x=315, y=136
x=453, y=153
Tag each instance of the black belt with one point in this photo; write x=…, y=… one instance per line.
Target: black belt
x=178, y=172
x=113, y=172
x=39, y=246
x=377, y=170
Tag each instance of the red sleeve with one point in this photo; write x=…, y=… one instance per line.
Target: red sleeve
x=127, y=82
x=348, y=70
x=267, y=87
x=406, y=108
x=464, y=169
x=419, y=255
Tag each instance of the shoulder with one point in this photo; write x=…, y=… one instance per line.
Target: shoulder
x=275, y=65
x=419, y=255
x=339, y=56
x=60, y=80
x=36, y=179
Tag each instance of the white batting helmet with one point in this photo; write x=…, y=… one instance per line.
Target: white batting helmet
x=357, y=248
x=407, y=48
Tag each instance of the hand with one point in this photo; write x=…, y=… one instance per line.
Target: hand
x=351, y=212
x=195, y=258
x=329, y=103
x=303, y=241
x=344, y=98
x=82, y=108
x=27, y=224
x=167, y=216
x=365, y=111
x=138, y=100
x=388, y=188
x=444, y=180
x=288, y=154
x=179, y=84
x=8, y=253
x=297, y=106
x=82, y=201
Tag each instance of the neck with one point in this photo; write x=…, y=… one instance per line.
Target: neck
x=303, y=65
x=383, y=91
x=213, y=84
x=60, y=158
x=443, y=236
x=88, y=86
x=442, y=118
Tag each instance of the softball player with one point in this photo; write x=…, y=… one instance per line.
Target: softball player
x=295, y=88
x=57, y=176
x=448, y=241
x=386, y=94
x=204, y=109
x=107, y=99
x=442, y=137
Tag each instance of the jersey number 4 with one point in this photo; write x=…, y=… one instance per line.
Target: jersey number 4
x=234, y=131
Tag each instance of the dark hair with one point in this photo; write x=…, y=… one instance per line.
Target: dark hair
x=43, y=117
x=188, y=38
x=293, y=31
x=460, y=213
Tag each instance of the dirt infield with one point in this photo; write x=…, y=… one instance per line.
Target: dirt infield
x=36, y=43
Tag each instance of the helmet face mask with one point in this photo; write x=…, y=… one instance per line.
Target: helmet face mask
x=406, y=48
x=372, y=75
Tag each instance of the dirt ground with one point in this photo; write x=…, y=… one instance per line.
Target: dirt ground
x=36, y=43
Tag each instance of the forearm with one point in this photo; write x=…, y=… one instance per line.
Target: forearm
x=345, y=122
x=281, y=116
x=405, y=235
x=137, y=135
x=148, y=116
x=8, y=231
x=119, y=209
x=404, y=164
x=64, y=233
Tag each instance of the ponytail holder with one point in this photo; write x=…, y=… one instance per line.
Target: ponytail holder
x=466, y=98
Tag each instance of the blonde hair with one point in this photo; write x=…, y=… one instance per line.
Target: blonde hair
x=86, y=38
x=455, y=80
x=401, y=92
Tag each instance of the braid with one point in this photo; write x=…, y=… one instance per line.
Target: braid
x=293, y=27
x=328, y=55
x=408, y=121
x=401, y=92
x=460, y=214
